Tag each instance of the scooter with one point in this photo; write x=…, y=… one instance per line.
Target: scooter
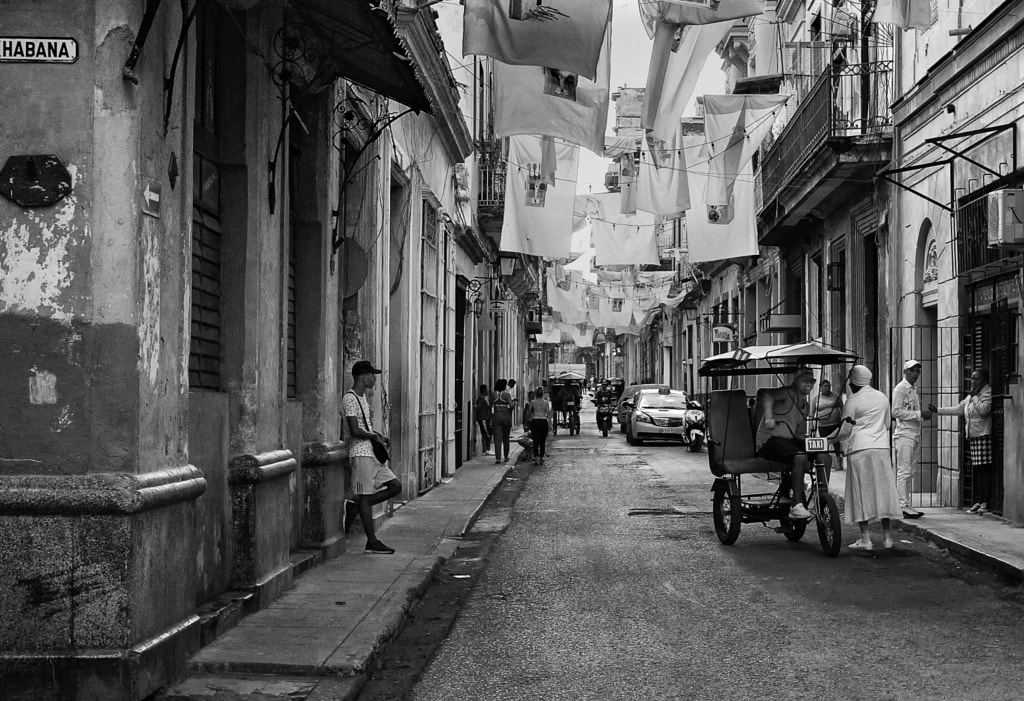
x=604, y=418
x=693, y=426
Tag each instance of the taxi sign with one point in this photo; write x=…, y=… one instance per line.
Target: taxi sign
x=815, y=445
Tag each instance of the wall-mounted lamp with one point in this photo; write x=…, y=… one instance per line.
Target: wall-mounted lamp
x=507, y=265
x=476, y=304
x=691, y=313
x=960, y=31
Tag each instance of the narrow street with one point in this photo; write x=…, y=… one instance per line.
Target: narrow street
x=609, y=583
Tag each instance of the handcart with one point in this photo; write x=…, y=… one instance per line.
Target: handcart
x=731, y=427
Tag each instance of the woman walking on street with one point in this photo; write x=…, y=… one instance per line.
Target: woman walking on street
x=483, y=418
x=870, y=482
x=976, y=408
x=540, y=422
x=501, y=419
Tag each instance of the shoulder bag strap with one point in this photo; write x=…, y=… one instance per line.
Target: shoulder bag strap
x=366, y=421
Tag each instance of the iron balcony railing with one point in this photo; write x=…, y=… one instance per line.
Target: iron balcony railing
x=845, y=101
x=491, y=194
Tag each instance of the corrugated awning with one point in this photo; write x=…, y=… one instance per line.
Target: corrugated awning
x=364, y=46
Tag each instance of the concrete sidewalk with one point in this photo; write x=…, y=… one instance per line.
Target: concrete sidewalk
x=320, y=638
x=987, y=540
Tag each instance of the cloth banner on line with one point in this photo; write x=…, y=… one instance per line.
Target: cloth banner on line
x=734, y=127
x=538, y=217
x=662, y=186
x=673, y=74
x=622, y=239
x=553, y=102
x=905, y=14
x=561, y=34
x=568, y=303
x=550, y=332
x=715, y=232
x=694, y=12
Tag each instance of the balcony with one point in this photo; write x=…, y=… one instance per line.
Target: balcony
x=839, y=135
x=491, y=192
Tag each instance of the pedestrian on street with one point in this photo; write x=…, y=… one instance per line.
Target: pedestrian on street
x=976, y=408
x=827, y=410
x=373, y=481
x=870, y=482
x=527, y=415
x=482, y=406
x=540, y=424
x=501, y=419
x=906, y=410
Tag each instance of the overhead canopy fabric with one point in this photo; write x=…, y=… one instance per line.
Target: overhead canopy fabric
x=539, y=217
x=538, y=100
x=562, y=34
x=364, y=47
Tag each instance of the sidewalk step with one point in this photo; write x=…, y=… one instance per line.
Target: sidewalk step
x=223, y=613
x=253, y=687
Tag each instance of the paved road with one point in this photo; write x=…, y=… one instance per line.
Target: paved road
x=609, y=583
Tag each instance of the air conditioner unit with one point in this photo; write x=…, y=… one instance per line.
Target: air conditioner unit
x=1006, y=218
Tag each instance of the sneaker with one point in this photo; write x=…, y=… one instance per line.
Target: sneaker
x=378, y=548
x=862, y=545
x=982, y=509
x=974, y=509
x=799, y=511
x=351, y=513
x=887, y=543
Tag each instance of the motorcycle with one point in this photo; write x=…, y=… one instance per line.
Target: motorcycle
x=605, y=412
x=693, y=426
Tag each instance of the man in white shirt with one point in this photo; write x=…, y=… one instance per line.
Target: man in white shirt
x=372, y=481
x=906, y=439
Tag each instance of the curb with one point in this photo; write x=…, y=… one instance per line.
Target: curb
x=957, y=549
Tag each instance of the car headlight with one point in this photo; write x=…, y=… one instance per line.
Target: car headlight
x=693, y=416
x=643, y=418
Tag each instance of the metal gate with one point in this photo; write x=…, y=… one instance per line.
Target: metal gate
x=428, y=380
x=938, y=479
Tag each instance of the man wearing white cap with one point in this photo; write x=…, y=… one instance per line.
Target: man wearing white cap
x=906, y=410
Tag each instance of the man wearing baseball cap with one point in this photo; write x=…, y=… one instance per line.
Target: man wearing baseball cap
x=906, y=439
x=372, y=481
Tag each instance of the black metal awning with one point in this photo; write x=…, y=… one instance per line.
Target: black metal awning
x=364, y=46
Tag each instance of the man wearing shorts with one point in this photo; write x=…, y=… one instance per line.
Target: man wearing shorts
x=372, y=481
x=781, y=433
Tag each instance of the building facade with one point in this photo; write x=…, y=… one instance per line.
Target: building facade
x=214, y=209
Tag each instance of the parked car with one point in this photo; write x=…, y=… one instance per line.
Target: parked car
x=629, y=395
x=665, y=414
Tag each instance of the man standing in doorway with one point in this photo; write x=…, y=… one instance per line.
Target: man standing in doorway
x=906, y=410
x=372, y=481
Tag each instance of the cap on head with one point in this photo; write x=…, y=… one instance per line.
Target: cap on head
x=911, y=364
x=364, y=367
x=860, y=376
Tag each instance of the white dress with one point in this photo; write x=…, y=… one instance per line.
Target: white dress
x=870, y=482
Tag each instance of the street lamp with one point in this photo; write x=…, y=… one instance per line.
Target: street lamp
x=507, y=265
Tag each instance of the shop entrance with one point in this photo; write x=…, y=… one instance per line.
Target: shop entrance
x=938, y=479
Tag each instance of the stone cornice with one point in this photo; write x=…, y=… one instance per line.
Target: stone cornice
x=992, y=41
x=419, y=34
x=103, y=493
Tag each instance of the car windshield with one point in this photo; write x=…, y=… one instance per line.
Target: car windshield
x=663, y=401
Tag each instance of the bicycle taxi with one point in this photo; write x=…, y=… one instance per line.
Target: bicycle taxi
x=566, y=396
x=741, y=476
